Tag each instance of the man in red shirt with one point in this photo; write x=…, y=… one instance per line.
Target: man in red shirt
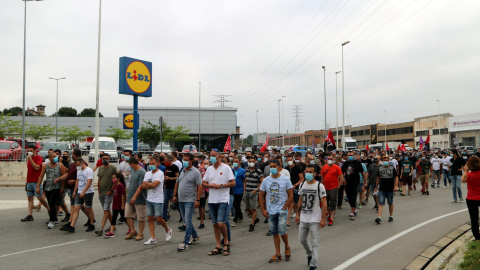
x=34, y=165
x=332, y=179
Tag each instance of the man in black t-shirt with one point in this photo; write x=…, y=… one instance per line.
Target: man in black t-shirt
x=387, y=182
x=296, y=177
x=351, y=170
x=171, y=175
x=456, y=174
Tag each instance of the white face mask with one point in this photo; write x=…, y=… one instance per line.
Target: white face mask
x=251, y=164
x=79, y=168
x=297, y=161
x=205, y=166
x=361, y=155
x=330, y=162
x=30, y=153
x=290, y=163
x=312, y=161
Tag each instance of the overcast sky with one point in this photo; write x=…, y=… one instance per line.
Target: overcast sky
x=402, y=56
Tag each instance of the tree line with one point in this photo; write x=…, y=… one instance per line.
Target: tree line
x=62, y=112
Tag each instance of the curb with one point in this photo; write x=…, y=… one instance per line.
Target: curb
x=441, y=252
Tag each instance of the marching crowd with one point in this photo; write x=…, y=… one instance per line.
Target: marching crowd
x=283, y=186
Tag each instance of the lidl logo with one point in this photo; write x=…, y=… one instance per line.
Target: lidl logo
x=128, y=120
x=135, y=77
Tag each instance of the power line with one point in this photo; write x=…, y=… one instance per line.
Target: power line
x=297, y=113
x=222, y=100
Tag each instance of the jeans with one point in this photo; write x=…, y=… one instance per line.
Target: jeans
x=446, y=176
x=167, y=195
x=229, y=208
x=52, y=197
x=473, y=211
x=313, y=247
x=237, y=201
x=456, y=181
x=352, y=191
x=277, y=223
x=186, y=209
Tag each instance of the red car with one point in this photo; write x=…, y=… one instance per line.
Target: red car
x=10, y=150
x=38, y=145
x=19, y=141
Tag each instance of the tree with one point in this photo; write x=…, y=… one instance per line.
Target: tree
x=119, y=134
x=150, y=133
x=38, y=132
x=73, y=133
x=89, y=112
x=13, y=111
x=67, y=112
x=9, y=127
x=248, y=140
x=179, y=134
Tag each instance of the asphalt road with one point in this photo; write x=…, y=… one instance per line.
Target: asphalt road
x=31, y=245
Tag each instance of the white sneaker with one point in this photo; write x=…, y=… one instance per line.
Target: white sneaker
x=293, y=215
x=461, y=200
x=50, y=225
x=168, y=235
x=150, y=241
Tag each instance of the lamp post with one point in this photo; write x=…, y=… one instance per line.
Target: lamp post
x=257, y=126
x=343, y=99
x=283, y=126
x=97, y=99
x=438, y=105
x=385, y=129
x=336, y=100
x=278, y=141
x=56, y=114
x=199, y=99
x=325, y=100
x=24, y=76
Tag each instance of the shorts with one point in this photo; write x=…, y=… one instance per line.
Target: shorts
x=31, y=189
x=332, y=197
x=382, y=195
x=136, y=210
x=154, y=209
x=372, y=188
x=203, y=201
x=87, y=200
x=407, y=180
x=61, y=198
x=70, y=193
x=360, y=188
x=218, y=212
x=296, y=197
x=423, y=178
x=414, y=174
x=277, y=224
x=106, y=201
x=251, y=200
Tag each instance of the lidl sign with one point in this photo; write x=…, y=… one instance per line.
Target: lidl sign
x=135, y=77
x=128, y=120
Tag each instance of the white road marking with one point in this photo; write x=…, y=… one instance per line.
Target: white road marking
x=35, y=249
x=13, y=204
x=389, y=240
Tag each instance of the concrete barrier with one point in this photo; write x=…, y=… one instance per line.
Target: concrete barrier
x=13, y=171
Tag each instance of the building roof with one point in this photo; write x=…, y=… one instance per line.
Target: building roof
x=178, y=108
x=40, y=105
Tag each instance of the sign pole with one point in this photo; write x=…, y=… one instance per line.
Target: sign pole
x=136, y=121
x=160, y=120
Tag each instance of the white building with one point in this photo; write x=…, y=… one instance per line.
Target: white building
x=435, y=125
x=465, y=130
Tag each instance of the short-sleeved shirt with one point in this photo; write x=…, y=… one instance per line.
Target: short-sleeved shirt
x=407, y=168
x=188, y=180
x=83, y=176
x=171, y=171
x=436, y=164
x=118, y=192
x=473, y=185
x=311, y=198
x=178, y=164
x=457, y=164
x=276, y=190
x=446, y=163
x=125, y=170
x=387, y=178
x=99, y=163
x=105, y=175
x=32, y=174
x=136, y=180
x=253, y=179
x=330, y=175
x=239, y=180
x=352, y=170
x=425, y=166
x=221, y=175
x=364, y=170
x=154, y=195
x=295, y=172
x=373, y=174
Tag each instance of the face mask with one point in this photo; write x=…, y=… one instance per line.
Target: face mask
x=231, y=159
x=297, y=161
x=290, y=163
x=195, y=164
x=105, y=162
x=127, y=158
x=205, y=166
x=131, y=168
x=330, y=162
x=309, y=176
x=235, y=165
x=464, y=153
x=55, y=159
x=251, y=164
x=385, y=163
x=185, y=164
x=79, y=168
x=350, y=158
x=114, y=181
x=152, y=167
x=361, y=155
x=213, y=160
x=123, y=156
x=312, y=161
x=259, y=159
x=30, y=153
x=423, y=158
x=406, y=159
x=273, y=171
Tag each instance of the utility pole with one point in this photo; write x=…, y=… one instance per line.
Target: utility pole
x=222, y=100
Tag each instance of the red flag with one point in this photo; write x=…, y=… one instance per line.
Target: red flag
x=264, y=147
x=228, y=145
x=388, y=148
x=398, y=148
x=421, y=146
x=428, y=139
x=403, y=148
x=329, y=144
x=368, y=148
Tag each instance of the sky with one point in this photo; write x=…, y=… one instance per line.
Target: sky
x=410, y=58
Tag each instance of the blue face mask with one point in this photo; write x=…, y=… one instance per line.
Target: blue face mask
x=123, y=156
x=235, y=165
x=126, y=158
x=350, y=158
x=152, y=167
x=309, y=176
x=385, y=163
x=406, y=159
x=55, y=159
x=213, y=160
x=273, y=171
x=423, y=158
x=259, y=159
x=185, y=164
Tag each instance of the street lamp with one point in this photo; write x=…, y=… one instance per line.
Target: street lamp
x=283, y=126
x=278, y=141
x=56, y=114
x=24, y=76
x=257, y=126
x=336, y=100
x=385, y=129
x=325, y=99
x=438, y=105
x=343, y=99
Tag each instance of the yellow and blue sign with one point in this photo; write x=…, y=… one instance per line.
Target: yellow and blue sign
x=135, y=77
x=128, y=120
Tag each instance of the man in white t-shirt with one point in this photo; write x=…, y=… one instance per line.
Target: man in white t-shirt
x=311, y=216
x=124, y=167
x=437, y=170
x=176, y=161
x=219, y=178
x=83, y=194
x=153, y=183
x=446, y=170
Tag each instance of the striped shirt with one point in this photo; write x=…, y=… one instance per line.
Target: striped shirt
x=253, y=179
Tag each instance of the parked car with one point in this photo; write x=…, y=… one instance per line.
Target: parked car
x=106, y=145
x=127, y=146
x=144, y=147
x=165, y=148
x=301, y=149
x=186, y=148
x=62, y=146
x=36, y=144
x=469, y=149
x=19, y=141
x=10, y=150
x=85, y=148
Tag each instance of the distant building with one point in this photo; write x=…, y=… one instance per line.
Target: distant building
x=39, y=112
x=465, y=130
x=436, y=126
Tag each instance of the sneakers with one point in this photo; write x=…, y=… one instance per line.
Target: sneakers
x=251, y=228
x=168, y=235
x=257, y=220
x=193, y=241
x=461, y=200
x=454, y=201
x=360, y=206
x=90, y=228
x=234, y=223
x=109, y=235
x=108, y=229
x=355, y=213
x=428, y=193
x=309, y=258
x=50, y=225
x=27, y=218
x=119, y=221
x=352, y=217
x=313, y=268
x=444, y=187
x=182, y=228
x=66, y=218
x=150, y=241
x=378, y=220
x=63, y=228
x=37, y=208
x=99, y=231
x=330, y=221
x=201, y=226
x=182, y=247
x=128, y=232
x=293, y=215
x=60, y=213
x=390, y=219
x=88, y=223
x=275, y=258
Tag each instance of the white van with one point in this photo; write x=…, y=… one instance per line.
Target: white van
x=106, y=145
